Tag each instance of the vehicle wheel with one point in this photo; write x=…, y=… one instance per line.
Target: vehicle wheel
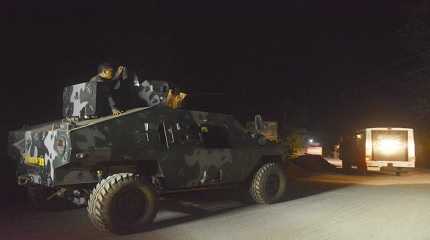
x=120, y=201
x=269, y=184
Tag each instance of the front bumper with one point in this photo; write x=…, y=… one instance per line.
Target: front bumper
x=398, y=164
x=27, y=179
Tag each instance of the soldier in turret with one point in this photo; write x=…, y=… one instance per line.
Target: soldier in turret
x=110, y=82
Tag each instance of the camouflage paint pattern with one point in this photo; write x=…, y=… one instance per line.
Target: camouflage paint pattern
x=80, y=100
x=172, y=139
x=153, y=92
x=38, y=153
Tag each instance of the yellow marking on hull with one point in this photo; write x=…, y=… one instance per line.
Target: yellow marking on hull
x=34, y=161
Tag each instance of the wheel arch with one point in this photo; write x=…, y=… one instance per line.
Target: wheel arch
x=264, y=159
x=142, y=167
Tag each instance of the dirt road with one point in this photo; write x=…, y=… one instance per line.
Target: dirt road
x=329, y=206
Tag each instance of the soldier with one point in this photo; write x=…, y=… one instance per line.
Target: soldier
x=110, y=83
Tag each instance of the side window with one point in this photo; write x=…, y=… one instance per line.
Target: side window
x=214, y=136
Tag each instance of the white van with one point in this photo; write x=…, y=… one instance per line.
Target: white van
x=387, y=147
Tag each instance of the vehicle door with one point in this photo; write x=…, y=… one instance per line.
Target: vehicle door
x=245, y=153
x=180, y=137
x=195, y=152
x=214, y=154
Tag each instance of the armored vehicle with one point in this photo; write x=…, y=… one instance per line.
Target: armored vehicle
x=120, y=165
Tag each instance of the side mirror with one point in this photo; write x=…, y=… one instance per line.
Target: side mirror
x=259, y=123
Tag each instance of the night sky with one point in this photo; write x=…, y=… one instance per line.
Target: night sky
x=327, y=66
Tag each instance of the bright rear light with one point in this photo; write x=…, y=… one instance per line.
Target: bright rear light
x=389, y=146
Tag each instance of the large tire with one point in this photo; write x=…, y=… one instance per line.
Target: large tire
x=268, y=184
x=120, y=201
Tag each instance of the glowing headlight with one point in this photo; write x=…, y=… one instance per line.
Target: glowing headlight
x=389, y=146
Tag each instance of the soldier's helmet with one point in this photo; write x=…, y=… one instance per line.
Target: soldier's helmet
x=105, y=70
